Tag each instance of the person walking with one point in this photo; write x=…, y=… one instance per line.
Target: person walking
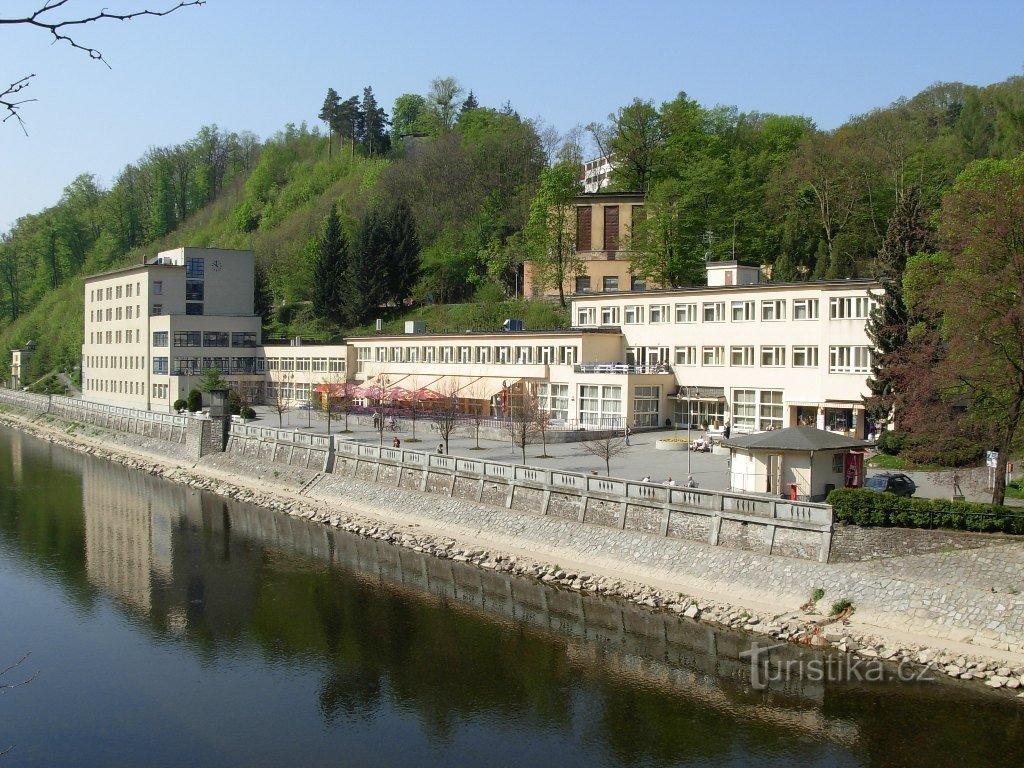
x=627, y=433
x=440, y=447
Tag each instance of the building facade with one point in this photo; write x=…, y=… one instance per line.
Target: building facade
x=151, y=330
x=757, y=356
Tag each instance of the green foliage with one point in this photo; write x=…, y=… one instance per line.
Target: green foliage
x=195, y=400
x=891, y=442
x=331, y=264
x=180, y=405
x=247, y=413
x=841, y=606
x=818, y=594
x=234, y=403
x=211, y=380
x=867, y=508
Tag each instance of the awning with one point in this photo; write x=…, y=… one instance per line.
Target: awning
x=471, y=387
x=709, y=394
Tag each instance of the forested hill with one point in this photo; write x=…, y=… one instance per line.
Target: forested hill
x=470, y=182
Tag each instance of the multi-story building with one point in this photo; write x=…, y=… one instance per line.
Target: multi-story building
x=760, y=356
x=152, y=329
x=597, y=173
x=602, y=227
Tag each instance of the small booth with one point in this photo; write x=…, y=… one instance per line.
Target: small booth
x=800, y=463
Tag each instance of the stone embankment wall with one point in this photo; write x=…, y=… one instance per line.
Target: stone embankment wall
x=751, y=523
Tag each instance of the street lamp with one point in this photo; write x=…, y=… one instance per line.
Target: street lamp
x=506, y=394
x=689, y=418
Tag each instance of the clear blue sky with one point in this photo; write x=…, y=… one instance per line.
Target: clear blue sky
x=257, y=65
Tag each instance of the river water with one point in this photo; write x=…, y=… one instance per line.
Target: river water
x=170, y=627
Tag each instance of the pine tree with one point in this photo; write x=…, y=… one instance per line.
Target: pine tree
x=365, y=277
x=889, y=323
x=263, y=302
x=374, y=127
x=403, y=266
x=330, y=268
x=469, y=103
x=329, y=114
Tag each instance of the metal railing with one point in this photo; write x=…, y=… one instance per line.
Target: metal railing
x=622, y=368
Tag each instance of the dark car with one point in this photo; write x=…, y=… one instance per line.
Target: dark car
x=891, y=482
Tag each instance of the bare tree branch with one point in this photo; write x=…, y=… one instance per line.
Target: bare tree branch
x=60, y=28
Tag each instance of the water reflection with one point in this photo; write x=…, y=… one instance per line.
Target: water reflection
x=469, y=655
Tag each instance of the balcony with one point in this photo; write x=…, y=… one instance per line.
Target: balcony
x=623, y=368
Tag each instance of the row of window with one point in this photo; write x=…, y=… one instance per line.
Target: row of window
x=840, y=308
x=500, y=354
x=115, y=292
x=115, y=337
x=192, y=366
x=120, y=362
x=841, y=359
x=115, y=386
x=206, y=339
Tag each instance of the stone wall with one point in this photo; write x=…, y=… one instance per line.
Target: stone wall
x=852, y=543
x=754, y=524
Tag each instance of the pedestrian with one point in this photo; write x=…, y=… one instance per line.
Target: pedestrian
x=647, y=479
x=440, y=447
x=670, y=481
x=727, y=431
x=396, y=443
x=627, y=433
x=376, y=419
x=690, y=482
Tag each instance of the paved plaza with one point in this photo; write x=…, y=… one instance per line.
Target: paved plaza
x=641, y=459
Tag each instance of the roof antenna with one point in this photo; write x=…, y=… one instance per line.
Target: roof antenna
x=734, y=222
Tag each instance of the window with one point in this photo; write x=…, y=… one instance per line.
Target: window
x=128, y=312
x=554, y=399
x=646, y=401
x=837, y=463
x=714, y=311
x=110, y=315
x=741, y=356
x=583, y=284
x=195, y=267
x=773, y=310
x=611, y=404
x=187, y=366
x=336, y=365
x=159, y=338
x=584, y=218
x=713, y=355
x=773, y=356
x=187, y=338
x=742, y=311
x=609, y=315
x=220, y=363
x=686, y=313
x=117, y=292
x=686, y=356
x=805, y=309
x=589, y=402
x=637, y=284
x=243, y=339
x=110, y=292
x=524, y=355
x=158, y=288
x=805, y=357
x=586, y=316
x=849, y=359
x=215, y=339
x=465, y=354
x=191, y=308
x=160, y=365
x=609, y=283
x=850, y=307
x=634, y=314
x=483, y=354
x=567, y=355
x=128, y=290
x=302, y=364
x=447, y=354
x=545, y=355
x=744, y=409
x=194, y=290
x=503, y=355
x=660, y=313
x=771, y=409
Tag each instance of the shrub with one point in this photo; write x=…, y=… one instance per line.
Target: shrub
x=841, y=606
x=180, y=405
x=891, y=443
x=195, y=400
x=867, y=508
x=248, y=413
x=234, y=403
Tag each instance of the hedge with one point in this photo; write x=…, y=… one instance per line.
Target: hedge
x=867, y=508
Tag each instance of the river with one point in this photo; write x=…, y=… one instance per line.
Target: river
x=170, y=627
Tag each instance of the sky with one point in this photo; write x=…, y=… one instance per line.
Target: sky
x=258, y=65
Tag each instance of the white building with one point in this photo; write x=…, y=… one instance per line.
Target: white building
x=761, y=356
x=151, y=330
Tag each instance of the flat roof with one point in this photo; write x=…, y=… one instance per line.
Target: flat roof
x=823, y=284
x=611, y=330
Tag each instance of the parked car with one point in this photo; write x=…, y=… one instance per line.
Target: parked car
x=891, y=482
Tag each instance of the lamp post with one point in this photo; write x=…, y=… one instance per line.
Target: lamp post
x=506, y=393
x=689, y=418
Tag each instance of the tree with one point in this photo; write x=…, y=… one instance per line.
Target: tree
x=374, y=137
x=979, y=304
x=442, y=99
x=403, y=263
x=605, y=448
x=635, y=141
x=470, y=103
x=446, y=416
x=281, y=406
x=409, y=115
x=329, y=114
x=45, y=17
x=195, y=400
x=331, y=264
x=551, y=229
x=211, y=380
x=523, y=416
x=367, y=270
x=665, y=241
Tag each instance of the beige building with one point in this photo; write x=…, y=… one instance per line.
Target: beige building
x=603, y=229
x=151, y=330
x=758, y=356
